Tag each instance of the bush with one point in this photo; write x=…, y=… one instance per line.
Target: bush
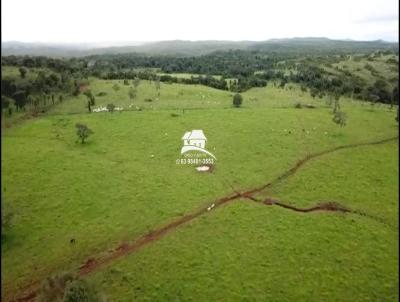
x=116, y=87
x=67, y=287
x=148, y=100
x=102, y=93
x=298, y=105
x=52, y=289
x=237, y=100
x=79, y=291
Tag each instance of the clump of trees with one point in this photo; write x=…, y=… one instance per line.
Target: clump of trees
x=40, y=90
x=83, y=132
x=237, y=100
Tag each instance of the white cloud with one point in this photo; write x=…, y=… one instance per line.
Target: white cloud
x=150, y=20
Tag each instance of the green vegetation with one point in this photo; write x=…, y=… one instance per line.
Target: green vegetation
x=237, y=100
x=67, y=203
x=67, y=287
x=83, y=131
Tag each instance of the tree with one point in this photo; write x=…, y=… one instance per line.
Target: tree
x=83, y=132
x=157, y=84
x=76, y=90
x=336, y=103
x=90, y=99
x=110, y=107
x=237, y=100
x=35, y=103
x=20, y=99
x=132, y=93
x=22, y=72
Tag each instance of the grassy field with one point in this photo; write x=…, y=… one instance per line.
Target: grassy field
x=124, y=182
x=180, y=96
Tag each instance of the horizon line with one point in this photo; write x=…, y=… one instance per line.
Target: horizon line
x=126, y=42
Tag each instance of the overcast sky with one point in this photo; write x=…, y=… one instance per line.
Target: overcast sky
x=153, y=20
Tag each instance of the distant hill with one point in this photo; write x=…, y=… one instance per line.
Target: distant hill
x=195, y=48
x=322, y=45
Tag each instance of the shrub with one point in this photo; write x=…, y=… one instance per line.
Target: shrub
x=79, y=291
x=102, y=93
x=67, y=287
x=116, y=87
x=237, y=100
x=52, y=289
x=298, y=105
x=110, y=107
x=148, y=100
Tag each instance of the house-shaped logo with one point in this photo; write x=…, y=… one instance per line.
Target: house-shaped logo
x=195, y=140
